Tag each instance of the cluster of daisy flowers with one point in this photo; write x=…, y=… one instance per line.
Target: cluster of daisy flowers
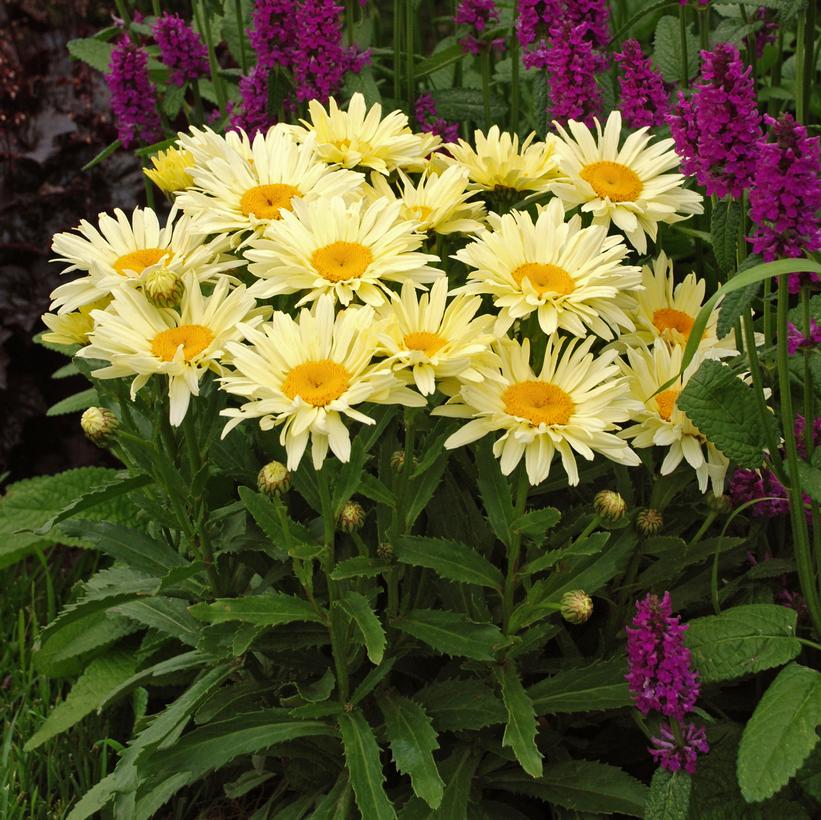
x=304, y=268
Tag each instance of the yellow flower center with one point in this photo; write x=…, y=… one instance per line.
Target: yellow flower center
x=266, y=201
x=317, y=383
x=613, y=181
x=193, y=338
x=138, y=261
x=670, y=319
x=666, y=402
x=340, y=261
x=428, y=343
x=539, y=402
x=545, y=278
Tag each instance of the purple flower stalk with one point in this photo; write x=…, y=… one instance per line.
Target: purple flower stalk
x=429, y=121
x=752, y=485
x=796, y=339
x=718, y=129
x=767, y=33
x=594, y=17
x=644, y=96
x=273, y=32
x=535, y=19
x=786, y=196
x=252, y=116
x=660, y=677
x=571, y=60
x=675, y=753
x=133, y=97
x=478, y=16
x=181, y=48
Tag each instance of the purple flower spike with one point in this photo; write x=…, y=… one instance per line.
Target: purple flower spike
x=181, y=48
x=478, y=16
x=133, y=97
x=679, y=753
x=429, y=121
x=273, y=32
x=574, y=93
x=644, y=96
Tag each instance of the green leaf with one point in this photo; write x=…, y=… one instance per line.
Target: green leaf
x=452, y=633
x=467, y=104
x=810, y=480
x=425, y=486
x=669, y=797
x=456, y=704
x=371, y=487
x=264, y=513
x=742, y=640
x=781, y=732
x=271, y=609
x=458, y=772
x=413, y=740
x=809, y=776
x=449, y=559
x=336, y=802
x=104, y=154
x=724, y=409
x=360, y=566
x=168, y=615
x=520, y=731
x=536, y=522
x=356, y=607
x=172, y=100
x=667, y=50
x=440, y=60
x=365, y=767
x=580, y=785
x=88, y=693
x=73, y=404
x=495, y=491
x=735, y=305
x=724, y=226
x=589, y=689
x=592, y=545
x=92, y=51
x=349, y=476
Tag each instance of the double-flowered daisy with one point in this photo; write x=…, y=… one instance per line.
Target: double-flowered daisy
x=307, y=374
x=573, y=277
x=661, y=422
x=122, y=251
x=233, y=192
x=438, y=202
x=362, y=138
x=428, y=340
x=629, y=186
x=572, y=406
x=343, y=249
x=203, y=144
x=140, y=340
x=666, y=310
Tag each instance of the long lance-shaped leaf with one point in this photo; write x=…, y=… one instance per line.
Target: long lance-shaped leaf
x=272, y=609
x=356, y=607
x=520, y=731
x=449, y=559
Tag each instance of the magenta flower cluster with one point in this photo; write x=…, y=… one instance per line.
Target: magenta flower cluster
x=661, y=679
x=429, y=121
x=786, y=195
x=717, y=130
x=133, y=97
x=574, y=92
x=181, y=48
x=644, y=95
x=796, y=339
x=273, y=32
x=478, y=16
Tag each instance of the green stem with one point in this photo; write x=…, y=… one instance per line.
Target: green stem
x=349, y=21
x=243, y=59
x=199, y=109
x=775, y=73
x=204, y=25
x=810, y=643
x=485, y=62
x=705, y=525
x=397, y=51
x=123, y=11
x=155, y=6
x=400, y=523
x=808, y=67
x=409, y=66
x=800, y=78
x=685, y=61
x=592, y=524
x=514, y=74
x=514, y=550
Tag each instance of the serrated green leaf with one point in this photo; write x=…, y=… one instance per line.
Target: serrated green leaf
x=371, y=487
x=65, y=371
x=349, y=476
x=667, y=50
x=580, y=785
x=589, y=689
x=495, y=491
x=536, y=522
x=73, y=404
x=449, y=559
x=413, y=741
x=264, y=512
x=809, y=775
x=365, y=767
x=810, y=480
x=360, y=566
x=423, y=488
x=173, y=99
x=467, y=104
x=440, y=60
x=168, y=615
x=456, y=704
x=271, y=609
x=451, y=633
x=88, y=693
x=92, y=51
x=333, y=804
x=669, y=797
x=742, y=640
x=734, y=306
x=724, y=226
x=724, y=409
x=520, y=730
x=356, y=607
x=591, y=545
x=781, y=733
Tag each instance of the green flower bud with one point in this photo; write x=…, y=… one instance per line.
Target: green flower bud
x=352, y=517
x=163, y=288
x=609, y=505
x=577, y=606
x=99, y=424
x=649, y=521
x=274, y=479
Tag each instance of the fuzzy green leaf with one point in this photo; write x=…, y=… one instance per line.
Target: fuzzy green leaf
x=520, y=731
x=667, y=50
x=451, y=633
x=669, y=797
x=810, y=480
x=92, y=51
x=449, y=559
x=356, y=607
x=365, y=767
x=589, y=689
x=413, y=741
x=734, y=306
x=781, y=732
x=456, y=704
x=742, y=640
x=724, y=225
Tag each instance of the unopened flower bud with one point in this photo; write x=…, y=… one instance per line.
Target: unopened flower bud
x=385, y=551
x=163, y=288
x=609, y=505
x=719, y=503
x=352, y=517
x=99, y=425
x=398, y=459
x=577, y=606
x=274, y=479
x=649, y=521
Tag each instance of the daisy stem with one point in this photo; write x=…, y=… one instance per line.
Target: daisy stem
x=122, y=9
x=243, y=59
x=485, y=60
x=803, y=558
x=199, y=110
x=409, y=67
x=397, y=50
x=514, y=550
x=204, y=25
x=349, y=21
x=682, y=30
x=514, y=73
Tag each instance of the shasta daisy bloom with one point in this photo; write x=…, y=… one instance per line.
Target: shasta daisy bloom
x=438, y=202
x=666, y=310
x=170, y=171
x=573, y=406
x=307, y=373
x=499, y=162
x=343, y=249
x=72, y=328
x=661, y=422
x=122, y=250
x=426, y=339
x=628, y=186
x=361, y=137
x=573, y=277
x=204, y=144
x=140, y=340
x=233, y=193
